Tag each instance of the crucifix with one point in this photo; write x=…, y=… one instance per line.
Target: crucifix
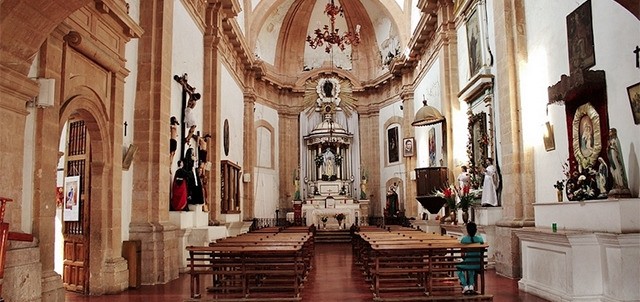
x=637, y=52
x=189, y=98
x=125, y=128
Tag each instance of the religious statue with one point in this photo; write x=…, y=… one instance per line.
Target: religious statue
x=173, y=141
x=363, y=187
x=490, y=185
x=464, y=179
x=328, y=163
x=601, y=178
x=392, y=200
x=616, y=166
x=189, y=115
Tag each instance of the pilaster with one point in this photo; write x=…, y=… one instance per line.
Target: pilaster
x=410, y=203
x=515, y=161
x=249, y=154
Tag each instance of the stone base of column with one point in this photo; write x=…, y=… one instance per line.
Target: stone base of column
x=159, y=251
x=116, y=277
x=23, y=273
x=507, y=247
x=52, y=289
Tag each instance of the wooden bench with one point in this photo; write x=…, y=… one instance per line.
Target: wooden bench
x=415, y=265
x=259, y=266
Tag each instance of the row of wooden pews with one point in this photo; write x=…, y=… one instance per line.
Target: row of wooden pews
x=405, y=264
x=270, y=264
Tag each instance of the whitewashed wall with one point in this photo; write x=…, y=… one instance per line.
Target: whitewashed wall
x=615, y=37
x=268, y=37
x=187, y=57
x=240, y=17
x=130, y=86
x=429, y=86
x=265, y=177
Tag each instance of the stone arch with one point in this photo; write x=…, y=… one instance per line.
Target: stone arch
x=16, y=52
x=272, y=146
x=104, y=230
x=401, y=193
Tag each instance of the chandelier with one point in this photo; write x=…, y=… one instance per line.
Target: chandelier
x=330, y=35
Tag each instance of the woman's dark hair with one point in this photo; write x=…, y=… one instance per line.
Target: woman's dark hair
x=472, y=229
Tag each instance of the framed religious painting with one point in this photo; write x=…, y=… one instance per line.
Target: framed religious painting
x=580, y=38
x=479, y=139
x=392, y=145
x=474, y=43
x=432, y=147
x=586, y=137
x=634, y=100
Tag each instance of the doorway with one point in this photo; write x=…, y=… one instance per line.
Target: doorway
x=72, y=215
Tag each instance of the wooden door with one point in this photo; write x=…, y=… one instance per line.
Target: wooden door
x=75, y=274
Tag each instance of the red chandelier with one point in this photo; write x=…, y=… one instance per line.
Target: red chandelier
x=331, y=35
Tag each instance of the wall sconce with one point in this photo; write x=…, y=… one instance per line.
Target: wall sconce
x=548, y=137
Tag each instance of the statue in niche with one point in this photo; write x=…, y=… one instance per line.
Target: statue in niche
x=328, y=163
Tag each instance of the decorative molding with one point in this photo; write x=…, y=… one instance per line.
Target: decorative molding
x=196, y=9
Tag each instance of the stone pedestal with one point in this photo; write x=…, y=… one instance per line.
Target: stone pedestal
x=580, y=266
x=603, y=215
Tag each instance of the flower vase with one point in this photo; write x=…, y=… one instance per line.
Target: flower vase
x=454, y=219
x=465, y=216
x=559, y=195
x=324, y=225
x=340, y=224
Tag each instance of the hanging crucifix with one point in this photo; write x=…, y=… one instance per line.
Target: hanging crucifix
x=637, y=52
x=189, y=99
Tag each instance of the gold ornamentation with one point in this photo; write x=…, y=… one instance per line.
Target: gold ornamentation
x=587, y=141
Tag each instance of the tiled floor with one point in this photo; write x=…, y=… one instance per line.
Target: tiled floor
x=333, y=278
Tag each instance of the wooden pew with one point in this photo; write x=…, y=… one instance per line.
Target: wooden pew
x=254, y=267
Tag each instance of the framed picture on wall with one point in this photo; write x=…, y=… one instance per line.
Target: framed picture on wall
x=408, y=149
x=474, y=43
x=71, y=198
x=634, y=100
x=479, y=137
x=392, y=141
x=432, y=147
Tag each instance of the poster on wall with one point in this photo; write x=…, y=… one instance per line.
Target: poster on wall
x=392, y=139
x=72, y=198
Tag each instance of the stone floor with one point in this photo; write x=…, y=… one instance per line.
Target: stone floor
x=333, y=278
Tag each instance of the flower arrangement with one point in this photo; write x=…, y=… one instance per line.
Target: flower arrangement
x=559, y=185
x=319, y=160
x=339, y=217
x=448, y=194
x=338, y=159
x=582, y=185
x=466, y=198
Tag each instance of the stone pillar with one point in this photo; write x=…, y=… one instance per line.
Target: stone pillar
x=370, y=157
x=151, y=176
x=515, y=161
x=448, y=55
x=212, y=103
x=410, y=202
x=249, y=154
x=289, y=159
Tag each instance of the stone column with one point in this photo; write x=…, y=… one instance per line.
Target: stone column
x=515, y=161
x=249, y=154
x=410, y=202
x=370, y=157
x=289, y=153
x=151, y=176
x=212, y=103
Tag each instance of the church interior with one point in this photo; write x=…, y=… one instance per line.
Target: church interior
x=138, y=129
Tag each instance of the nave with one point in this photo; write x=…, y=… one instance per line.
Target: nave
x=334, y=277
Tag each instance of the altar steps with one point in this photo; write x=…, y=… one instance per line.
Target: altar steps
x=332, y=236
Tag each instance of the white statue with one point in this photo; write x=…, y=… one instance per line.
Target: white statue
x=328, y=163
x=601, y=177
